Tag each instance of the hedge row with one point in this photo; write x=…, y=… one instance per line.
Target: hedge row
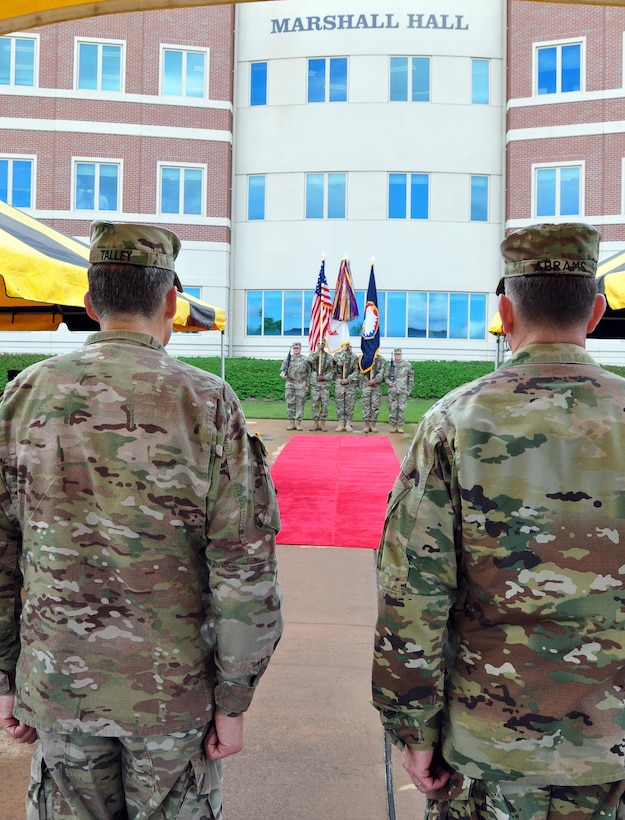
x=260, y=378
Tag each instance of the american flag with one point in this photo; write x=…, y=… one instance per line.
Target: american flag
x=321, y=310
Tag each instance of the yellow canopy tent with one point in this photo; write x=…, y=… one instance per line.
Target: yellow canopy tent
x=43, y=278
x=23, y=14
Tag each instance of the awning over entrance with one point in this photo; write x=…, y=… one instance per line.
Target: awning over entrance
x=43, y=279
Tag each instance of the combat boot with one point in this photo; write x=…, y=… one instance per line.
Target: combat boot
x=399, y=429
x=291, y=424
x=348, y=427
x=322, y=425
x=315, y=425
x=366, y=427
x=372, y=427
x=298, y=424
x=393, y=429
x=340, y=426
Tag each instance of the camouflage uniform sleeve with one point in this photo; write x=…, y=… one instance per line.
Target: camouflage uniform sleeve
x=410, y=379
x=10, y=588
x=245, y=596
x=416, y=591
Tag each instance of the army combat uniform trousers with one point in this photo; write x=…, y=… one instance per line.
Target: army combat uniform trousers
x=160, y=777
x=480, y=800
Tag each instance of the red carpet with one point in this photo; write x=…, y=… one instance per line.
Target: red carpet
x=332, y=490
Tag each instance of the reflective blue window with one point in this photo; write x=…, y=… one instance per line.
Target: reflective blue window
x=293, y=325
x=559, y=68
x=316, y=81
x=184, y=73
x=438, y=310
x=322, y=203
x=396, y=313
x=480, y=91
x=399, y=79
x=17, y=61
x=420, y=79
x=195, y=292
x=96, y=186
x=419, y=196
x=327, y=80
x=336, y=196
x=272, y=313
x=458, y=315
x=258, y=84
x=397, y=195
x=417, y=315
x=314, y=196
x=254, y=322
x=16, y=182
x=398, y=191
x=477, y=316
x=256, y=198
x=410, y=79
x=6, y=60
x=558, y=191
x=479, y=199
x=181, y=190
x=99, y=67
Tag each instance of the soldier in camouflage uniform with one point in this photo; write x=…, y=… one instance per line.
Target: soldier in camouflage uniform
x=321, y=368
x=142, y=515
x=399, y=376
x=294, y=371
x=500, y=640
x=346, y=380
x=371, y=383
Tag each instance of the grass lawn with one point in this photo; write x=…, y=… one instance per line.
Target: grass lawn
x=264, y=409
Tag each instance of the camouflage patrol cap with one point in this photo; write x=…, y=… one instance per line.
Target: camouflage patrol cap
x=296, y=345
x=128, y=243
x=397, y=351
x=567, y=249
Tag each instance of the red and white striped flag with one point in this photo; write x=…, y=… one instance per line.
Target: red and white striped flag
x=321, y=310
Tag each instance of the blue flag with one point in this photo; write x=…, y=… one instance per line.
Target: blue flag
x=370, y=341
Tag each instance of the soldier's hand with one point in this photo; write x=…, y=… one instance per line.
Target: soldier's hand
x=225, y=737
x=344, y=381
x=12, y=726
x=425, y=772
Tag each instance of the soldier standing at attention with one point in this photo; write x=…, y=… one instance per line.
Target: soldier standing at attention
x=346, y=377
x=371, y=383
x=321, y=368
x=399, y=377
x=295, y=371
x=500, y=641
x=142, y=515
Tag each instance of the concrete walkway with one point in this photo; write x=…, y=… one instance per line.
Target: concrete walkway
x=314, y=746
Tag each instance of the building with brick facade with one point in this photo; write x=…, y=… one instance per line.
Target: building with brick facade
x=270, y=135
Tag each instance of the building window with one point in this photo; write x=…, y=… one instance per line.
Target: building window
x=16, y=181
x=184, y=73
x=181, y=190
x=325, y=196
x=410, y=79
x=256, y=197
x=99, y=66
x=479, y=199
x=258, y=84
x=403, y=314
x=327, y=80
x=480, y=82
x=558, y=68
x=408, y=196
x=96, y=186
x=558, y=191
x=17, y=61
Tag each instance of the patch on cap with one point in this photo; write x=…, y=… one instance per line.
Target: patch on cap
x=128, y=243
x=567, y=249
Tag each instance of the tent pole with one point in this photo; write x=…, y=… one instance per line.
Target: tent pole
x=223, y=357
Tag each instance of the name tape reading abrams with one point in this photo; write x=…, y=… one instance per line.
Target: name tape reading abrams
x=345, y=22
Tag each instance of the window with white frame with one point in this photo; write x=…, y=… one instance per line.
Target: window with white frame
x=184, y=72
x=182, y=189
x=100, y=65
x=256, y=197
x=326, y=196
x=558, y=190
x=97, y=185
x=18, y=61
x=16, y=180
x=409, y=79
x=258, y=83
x=479, y=198
x=408, y=196
x=327, y=79
x=480, y=82
x=558, y=67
